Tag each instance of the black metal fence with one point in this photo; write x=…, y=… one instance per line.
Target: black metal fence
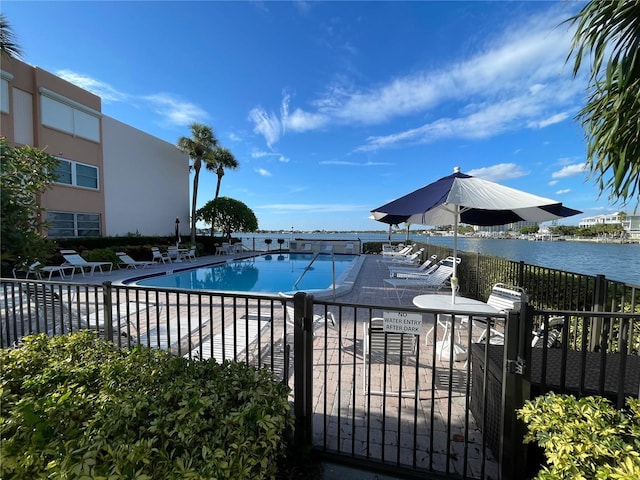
x=444, y=406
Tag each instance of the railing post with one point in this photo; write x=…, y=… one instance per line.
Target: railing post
x=108, y=311
x=303, y=367
x=599, y=296
x=516, y=389
x=521, y=274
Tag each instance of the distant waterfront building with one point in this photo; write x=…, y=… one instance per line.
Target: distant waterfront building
x=630, y=223
x=509, y=227
x=113, y=179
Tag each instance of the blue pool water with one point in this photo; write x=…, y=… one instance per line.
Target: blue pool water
x=264, y=273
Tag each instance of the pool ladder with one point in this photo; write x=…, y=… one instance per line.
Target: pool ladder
x=308, y=267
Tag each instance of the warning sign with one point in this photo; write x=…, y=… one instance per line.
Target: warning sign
x=402, y=322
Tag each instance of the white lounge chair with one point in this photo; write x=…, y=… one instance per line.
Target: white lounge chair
x=128, y=262
x=399, y=253
x=55, y=317
x=401, y=271
x=411, y=259
x=318, y=321
x=430, y=283
x=236, y=342
x=73, y=258
x=37, y=270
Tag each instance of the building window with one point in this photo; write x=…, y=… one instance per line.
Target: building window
x=62, y=224
x=77, y=174
x=4, y=95
x=69, y=116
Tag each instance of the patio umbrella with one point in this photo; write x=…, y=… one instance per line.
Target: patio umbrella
x=461, y=198
x=177, y=233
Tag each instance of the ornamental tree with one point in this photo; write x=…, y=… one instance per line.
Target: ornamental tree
x=25, y=173
x=228, y=215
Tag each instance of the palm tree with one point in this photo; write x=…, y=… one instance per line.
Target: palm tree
x=8, y=47
x=220, y=159
x=199, y=147
x=612, y=113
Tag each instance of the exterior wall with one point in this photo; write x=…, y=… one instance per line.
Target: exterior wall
x=142, y=181
x=60, y=198
x=147, y=180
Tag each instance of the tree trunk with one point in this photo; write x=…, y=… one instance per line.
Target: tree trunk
x=220, y=173
x=194, y=201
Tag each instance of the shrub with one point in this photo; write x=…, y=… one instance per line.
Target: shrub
x=586, y=438
x=76, y=406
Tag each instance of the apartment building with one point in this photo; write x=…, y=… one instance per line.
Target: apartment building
x=113, y=179
x=630, y=223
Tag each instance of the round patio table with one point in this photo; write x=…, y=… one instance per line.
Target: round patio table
x=462, y=307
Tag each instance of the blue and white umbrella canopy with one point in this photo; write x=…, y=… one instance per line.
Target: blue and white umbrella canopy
x=461, y=198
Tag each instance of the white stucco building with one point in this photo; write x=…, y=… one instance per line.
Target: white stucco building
x=630, y=223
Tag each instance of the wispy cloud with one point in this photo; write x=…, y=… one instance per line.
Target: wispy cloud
x=564, y=191
x=517, y=80
x=499, y=172
x=355, y=164
x=175, y=111
x=570, y=171
x=263, y=172
x=169, y=108
x=103, y=90
x=266, y=124
x=262, y=154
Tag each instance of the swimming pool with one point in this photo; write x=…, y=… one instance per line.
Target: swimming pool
x=287, y=273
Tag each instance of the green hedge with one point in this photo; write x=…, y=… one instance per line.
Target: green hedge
x=584, y=439
x=76, y=406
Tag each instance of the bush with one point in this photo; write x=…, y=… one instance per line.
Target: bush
x=75, y=406
x=586, y=438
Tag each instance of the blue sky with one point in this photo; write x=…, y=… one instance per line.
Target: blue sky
x=335, y=108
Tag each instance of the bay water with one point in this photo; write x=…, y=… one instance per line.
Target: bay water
x=620, y=262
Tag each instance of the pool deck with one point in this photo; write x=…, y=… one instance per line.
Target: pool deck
x=344, y=411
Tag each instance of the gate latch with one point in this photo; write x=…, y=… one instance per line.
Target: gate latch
x=516, y=366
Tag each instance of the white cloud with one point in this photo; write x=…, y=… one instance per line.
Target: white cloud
x=175, y=111
x=499, y=172
x=263, y=172
x=570, y=171
x=261, y=154
x=563, y=191
x=171, y=109
x=552, y=183
x=103, y=90
x=355, y=164
x=519, y=79
x=266, y=124
x=553, y=119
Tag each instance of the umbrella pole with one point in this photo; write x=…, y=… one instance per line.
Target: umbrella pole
x=454, y=277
